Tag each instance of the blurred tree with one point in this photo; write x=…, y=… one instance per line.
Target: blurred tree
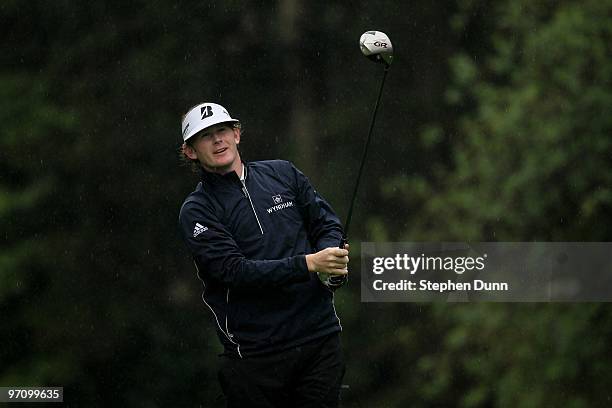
x=530, y=160
x=31, y=123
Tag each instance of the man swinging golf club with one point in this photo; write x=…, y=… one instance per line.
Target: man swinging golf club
x=259, y=233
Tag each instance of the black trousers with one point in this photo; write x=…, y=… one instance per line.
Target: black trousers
x=306, y=376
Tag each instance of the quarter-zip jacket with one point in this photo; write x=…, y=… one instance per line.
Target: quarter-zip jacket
x=249, y=239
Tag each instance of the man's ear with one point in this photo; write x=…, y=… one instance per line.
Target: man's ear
x=236, y=135
x=189, y=152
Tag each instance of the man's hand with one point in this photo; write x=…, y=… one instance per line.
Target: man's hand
x=333, y=261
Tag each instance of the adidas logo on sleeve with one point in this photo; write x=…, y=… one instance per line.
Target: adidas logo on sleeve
x=199, y=228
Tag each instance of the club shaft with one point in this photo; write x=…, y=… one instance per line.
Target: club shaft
x=363, y=159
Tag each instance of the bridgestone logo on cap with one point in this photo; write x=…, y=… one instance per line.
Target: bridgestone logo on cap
x=206, y=111
x=202, y=116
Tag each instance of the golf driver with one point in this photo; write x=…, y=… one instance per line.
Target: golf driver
x=377, y=47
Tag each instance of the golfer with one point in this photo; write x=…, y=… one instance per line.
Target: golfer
x=260, y=234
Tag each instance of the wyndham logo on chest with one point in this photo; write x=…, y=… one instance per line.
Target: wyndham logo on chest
x=280, y=205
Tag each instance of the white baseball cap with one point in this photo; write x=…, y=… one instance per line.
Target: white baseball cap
x=202, y=116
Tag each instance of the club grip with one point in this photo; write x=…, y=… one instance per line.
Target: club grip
x=343, y=242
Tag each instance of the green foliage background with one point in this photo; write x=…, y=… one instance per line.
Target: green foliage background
x=494, y=126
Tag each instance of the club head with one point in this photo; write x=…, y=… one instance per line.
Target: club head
x=376, y=45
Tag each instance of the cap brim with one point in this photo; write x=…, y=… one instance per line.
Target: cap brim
x=204, y=126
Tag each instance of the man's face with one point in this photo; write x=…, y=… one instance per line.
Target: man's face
x=216, y=148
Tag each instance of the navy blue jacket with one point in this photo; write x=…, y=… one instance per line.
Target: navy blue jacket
x=249, y=243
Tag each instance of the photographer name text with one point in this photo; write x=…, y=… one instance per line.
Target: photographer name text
x=448, y=286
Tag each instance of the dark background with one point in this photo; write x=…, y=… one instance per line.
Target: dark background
x=495, y=125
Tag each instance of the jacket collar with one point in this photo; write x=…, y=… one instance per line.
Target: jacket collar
x=219, y=179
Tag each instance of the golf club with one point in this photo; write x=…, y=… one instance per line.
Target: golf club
x=377, y=47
